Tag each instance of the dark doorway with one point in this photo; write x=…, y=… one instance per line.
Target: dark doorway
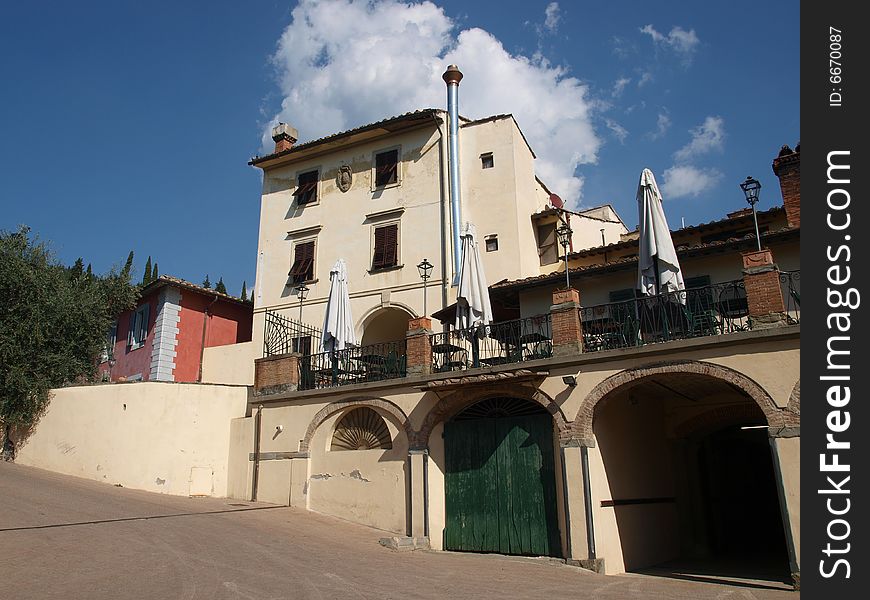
x=739, y=489
x=500, y=484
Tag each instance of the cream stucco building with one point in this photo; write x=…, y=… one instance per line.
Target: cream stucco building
x=618, y=431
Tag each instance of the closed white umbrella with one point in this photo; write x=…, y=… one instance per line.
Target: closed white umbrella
x=472, y=303
x=338, y=332
x=658, y=268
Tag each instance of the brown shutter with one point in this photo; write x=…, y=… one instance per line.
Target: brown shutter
x=379, y=254
x=306, y=188
x=386, y=247
x=391, y=244
x=386, y=170
x=303, y=262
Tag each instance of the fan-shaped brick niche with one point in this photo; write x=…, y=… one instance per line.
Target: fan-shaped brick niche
x=361, y=429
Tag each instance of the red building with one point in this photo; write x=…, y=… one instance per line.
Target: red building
x=164, y=336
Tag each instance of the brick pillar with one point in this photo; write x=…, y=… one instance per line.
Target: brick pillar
x=274, y=374
x=787, y=166
x=763, y=291
x=566, y=327
x=419, y=346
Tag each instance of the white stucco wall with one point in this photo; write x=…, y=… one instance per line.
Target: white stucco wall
x=170, y=438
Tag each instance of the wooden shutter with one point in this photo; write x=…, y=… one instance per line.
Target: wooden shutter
x=547, y=249
x=306, y=188
x=303, y=262
x=143, y=324
x=386, y=247
x=386, y=168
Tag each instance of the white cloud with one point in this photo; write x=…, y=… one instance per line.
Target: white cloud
x=685, y=180
x=663, y=123
x=619, y=86
x=345, y=63
x=706, y=137
x=618, y=130
x=553, y=15
x=683, y=43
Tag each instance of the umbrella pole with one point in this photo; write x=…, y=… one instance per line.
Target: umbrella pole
x=475, y=350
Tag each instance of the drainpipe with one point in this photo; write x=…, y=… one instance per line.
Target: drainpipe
x=255, y=478
x=205, y=316
x=442, y=157
x=452, y=76
x=587, y=501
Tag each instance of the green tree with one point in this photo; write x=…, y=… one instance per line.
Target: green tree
x=154, y=274
x=206, y=283
x=244, y=296
x=146, y=278
x=128, y=265
x=53, y=325
x=220, y=287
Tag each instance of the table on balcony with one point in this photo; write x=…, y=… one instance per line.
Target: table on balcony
x=454, y=356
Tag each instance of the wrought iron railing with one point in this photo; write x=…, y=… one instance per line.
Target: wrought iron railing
x=373, y=362
x=283, y=335
x=696, y=312
x=498, y=343
x=790, y=283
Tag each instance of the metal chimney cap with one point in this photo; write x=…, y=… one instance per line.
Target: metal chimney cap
x=452, y=75
x=284, y=131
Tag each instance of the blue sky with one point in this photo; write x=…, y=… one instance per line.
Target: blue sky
x=128, y=125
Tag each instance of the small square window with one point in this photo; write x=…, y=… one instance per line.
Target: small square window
x=491, y=243
x=486, y=161
x=303, y=262
x=306, y=187
x=386, y=168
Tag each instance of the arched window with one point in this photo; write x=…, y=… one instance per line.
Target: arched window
x=361, y=429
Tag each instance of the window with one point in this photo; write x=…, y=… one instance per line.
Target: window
x=385, y=253
x=302, y=345
x=303, y=262
x=387, y=168
x=361, y=429
x=491, y=243
x=306, y=187
x=138, y=327
x=486, y=161
x=547, y=247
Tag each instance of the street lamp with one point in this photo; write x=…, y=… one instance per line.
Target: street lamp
x=425, y=269
x=564, y=232
x=750, y=188
x=302, y=292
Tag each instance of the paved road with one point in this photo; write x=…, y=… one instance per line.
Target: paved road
x=63, y=537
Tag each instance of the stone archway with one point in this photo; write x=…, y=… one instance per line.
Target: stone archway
x=385, y=323
x=451, y=405
x=775, y=416
x=380, y=405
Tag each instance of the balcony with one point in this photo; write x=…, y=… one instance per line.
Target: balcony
x=570, y=328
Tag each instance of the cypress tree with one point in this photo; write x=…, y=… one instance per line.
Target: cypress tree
x=154, y=272
x=206, y=283
x=146, y=278
x=220, y=287
x=128, y=266
x=244, y=296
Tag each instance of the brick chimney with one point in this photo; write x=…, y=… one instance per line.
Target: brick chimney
x=787, y=166
x=285, y=136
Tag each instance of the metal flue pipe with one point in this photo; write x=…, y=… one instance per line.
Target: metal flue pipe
x=452, y=76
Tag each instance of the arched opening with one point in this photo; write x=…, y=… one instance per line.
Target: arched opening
x=690, y=487
x=385, y=325
x=361, y=429
x=499, y=479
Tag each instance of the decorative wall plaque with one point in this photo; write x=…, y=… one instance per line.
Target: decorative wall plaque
x=345, y=178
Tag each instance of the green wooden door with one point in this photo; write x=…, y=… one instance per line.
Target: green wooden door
x=500, y=485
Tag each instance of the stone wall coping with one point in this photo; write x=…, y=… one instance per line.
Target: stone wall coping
x=415, y=382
